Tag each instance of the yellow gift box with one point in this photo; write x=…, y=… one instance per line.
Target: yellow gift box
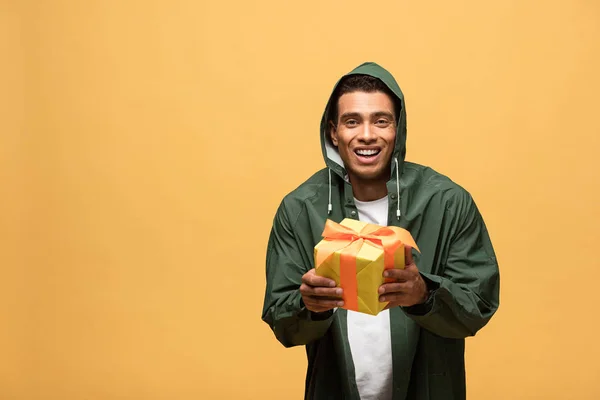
x=354, y=254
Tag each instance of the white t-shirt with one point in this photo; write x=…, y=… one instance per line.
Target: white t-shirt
x=369, y=336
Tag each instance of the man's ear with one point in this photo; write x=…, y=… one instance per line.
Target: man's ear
x=333, y=133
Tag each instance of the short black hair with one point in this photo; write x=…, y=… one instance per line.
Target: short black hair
x=360, y=83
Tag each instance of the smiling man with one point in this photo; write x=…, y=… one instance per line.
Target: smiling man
x=415, y=348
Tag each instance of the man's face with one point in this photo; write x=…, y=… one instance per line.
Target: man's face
x=365, y=134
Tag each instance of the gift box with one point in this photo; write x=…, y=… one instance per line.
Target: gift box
x=354, y=254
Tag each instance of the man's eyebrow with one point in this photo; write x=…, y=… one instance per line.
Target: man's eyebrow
x=384, y=114
x=350, y=114
x=376, y=114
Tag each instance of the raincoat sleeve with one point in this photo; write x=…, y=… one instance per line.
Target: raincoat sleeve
x=283, y=308
x=465, y=296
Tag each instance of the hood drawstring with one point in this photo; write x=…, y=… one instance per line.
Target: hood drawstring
x=329, y=207
x=398, y=213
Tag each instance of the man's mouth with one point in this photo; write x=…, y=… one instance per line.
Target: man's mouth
x=367, y=152
x=367, y=156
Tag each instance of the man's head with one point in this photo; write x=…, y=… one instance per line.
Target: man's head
x=362, y=125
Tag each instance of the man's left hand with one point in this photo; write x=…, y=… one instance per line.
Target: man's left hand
x=409, y=287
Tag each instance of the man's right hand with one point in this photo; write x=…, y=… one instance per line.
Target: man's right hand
x=319, y=294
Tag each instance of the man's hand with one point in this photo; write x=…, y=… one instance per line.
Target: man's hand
x=319, y=294
x=409, y=287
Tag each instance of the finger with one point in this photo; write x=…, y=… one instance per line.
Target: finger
x=408, y=256
x=401, y=275
x=394, y=297
x=327, y=292
x=397, y=287
x=307, y=290
x=312, y=279
x=321, y=302
x=412, y=268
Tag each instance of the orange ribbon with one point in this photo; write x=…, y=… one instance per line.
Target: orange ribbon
x=342, y=238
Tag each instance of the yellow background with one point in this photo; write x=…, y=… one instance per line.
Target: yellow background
x=145, y=146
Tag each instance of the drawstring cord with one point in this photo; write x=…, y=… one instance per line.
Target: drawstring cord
x=329, y=207
x=398, y=213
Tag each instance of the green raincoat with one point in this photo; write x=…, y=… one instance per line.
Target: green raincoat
x=457, y=261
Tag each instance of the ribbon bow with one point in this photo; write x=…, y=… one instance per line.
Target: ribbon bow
x=348, y=242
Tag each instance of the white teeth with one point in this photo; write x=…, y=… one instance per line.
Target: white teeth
x=366, y=152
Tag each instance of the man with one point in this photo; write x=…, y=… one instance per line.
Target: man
x=415, y=348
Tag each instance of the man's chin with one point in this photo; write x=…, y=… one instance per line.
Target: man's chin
x=368, y=176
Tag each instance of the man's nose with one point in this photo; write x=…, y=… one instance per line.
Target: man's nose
x=366, y=134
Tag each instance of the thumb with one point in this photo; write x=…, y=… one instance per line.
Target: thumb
x=408, y=257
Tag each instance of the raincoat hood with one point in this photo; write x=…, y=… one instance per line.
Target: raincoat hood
x=330, y=153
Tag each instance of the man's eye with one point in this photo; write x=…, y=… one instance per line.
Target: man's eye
x=351, y=122
x=382, y=122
